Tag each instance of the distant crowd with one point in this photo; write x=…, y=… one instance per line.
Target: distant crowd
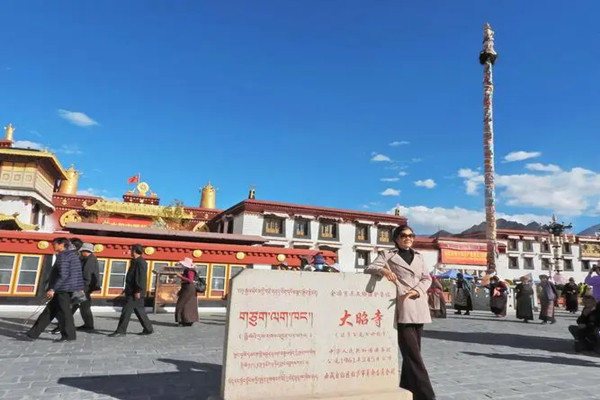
x=587, y=330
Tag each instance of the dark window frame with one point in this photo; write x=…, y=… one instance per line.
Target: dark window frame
x=528, y=260
x=267, y=219
x=584, y=263
x=548, y=262
x=528, y=246
x=510, y=245
x=368, y=259
x=545, y=247
x=510, y=265
x=567, y=248
x=297, y=223
x=571, y=268
x=336, y=233
x=367, y=236
x=381, y=229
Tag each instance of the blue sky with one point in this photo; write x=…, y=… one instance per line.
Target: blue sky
x=301, y=97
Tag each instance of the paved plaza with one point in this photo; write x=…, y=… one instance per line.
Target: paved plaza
x=476, y=357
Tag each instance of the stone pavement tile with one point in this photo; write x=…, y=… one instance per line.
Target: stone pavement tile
x=460, y=354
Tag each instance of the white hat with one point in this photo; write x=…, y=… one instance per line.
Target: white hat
x=87, y=247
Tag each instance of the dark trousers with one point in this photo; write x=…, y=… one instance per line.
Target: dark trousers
x=85, y=308
x=414, y=376
x=59, y=307
x=133, y=305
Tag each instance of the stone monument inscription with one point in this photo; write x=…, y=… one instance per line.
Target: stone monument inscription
x=310, y=335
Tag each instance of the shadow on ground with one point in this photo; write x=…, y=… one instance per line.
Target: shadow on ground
x=504, y=339
x=205, y=321
x=538, y=359
x=193, y=380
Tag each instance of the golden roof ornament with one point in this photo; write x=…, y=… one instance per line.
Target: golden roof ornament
x=252, y=193
x=208, y=198
x=9, y=131
x=69, y=185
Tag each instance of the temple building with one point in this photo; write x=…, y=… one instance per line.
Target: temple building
x=39, y=201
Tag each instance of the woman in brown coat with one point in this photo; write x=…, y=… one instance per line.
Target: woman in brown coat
x=186, y=310
x=406, y=268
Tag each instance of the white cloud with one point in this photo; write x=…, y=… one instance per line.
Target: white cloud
x=472, y=180
x=569, y=193
x=429, y=220
x=380, y=158
x=427, y=183
x=543, y=168
x=103, y=193
x=390, y=192
x=390, y=179
x=91, y=192
x=521, y=155
x=26, y=144
x=76, y=118
x=399, y=143
x=416, y=160
x=71, y=149
x=402, y=173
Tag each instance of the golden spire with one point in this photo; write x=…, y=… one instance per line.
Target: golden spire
x=208, y=198
x=397, y=211
x=8, y=132
x=69, y=185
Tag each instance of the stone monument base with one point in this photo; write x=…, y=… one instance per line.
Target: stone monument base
x=398, y=394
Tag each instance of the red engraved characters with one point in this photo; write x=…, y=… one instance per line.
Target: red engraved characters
x=361, y=318
x=377, y=318
x=344, y=319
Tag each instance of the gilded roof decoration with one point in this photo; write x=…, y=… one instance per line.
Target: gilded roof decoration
x=139, y=209
x=15, y=218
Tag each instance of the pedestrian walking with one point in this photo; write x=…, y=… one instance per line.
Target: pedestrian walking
x=135, y=290
x=524, y=296
x=463, y=295
x=186, y=310
x=65, y=279
x=548, y=297
x=498, y=296
x=435, y=294
x=570, y=293
x=406, y=268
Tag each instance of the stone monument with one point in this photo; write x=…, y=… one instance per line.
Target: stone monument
x=310, y=335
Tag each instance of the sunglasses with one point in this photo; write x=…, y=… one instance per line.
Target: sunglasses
x=410, y=235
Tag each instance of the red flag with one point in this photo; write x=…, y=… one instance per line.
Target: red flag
x=133, y=179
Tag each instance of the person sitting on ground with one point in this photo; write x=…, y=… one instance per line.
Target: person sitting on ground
x=586, y=330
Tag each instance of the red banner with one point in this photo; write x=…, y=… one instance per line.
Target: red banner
x=464, y=257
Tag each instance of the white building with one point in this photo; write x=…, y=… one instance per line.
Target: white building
x=534, y=252
x=28, y=179
x=356, y=236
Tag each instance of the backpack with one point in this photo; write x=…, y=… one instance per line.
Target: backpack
x=200, y=284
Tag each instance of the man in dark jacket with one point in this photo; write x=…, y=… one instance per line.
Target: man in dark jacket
x=65, y=278
x=91, y=282
x=135, y=289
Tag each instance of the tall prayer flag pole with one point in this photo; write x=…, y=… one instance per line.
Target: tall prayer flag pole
x=487, y=58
